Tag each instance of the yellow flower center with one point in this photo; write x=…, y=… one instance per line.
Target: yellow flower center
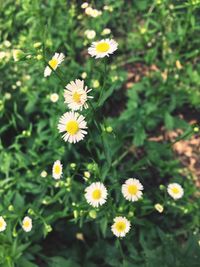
x=26, y=224
x=120, y=226
x=102, y=47
x=96, y=194
x=175, y=190
x=132, y=189
x=76, y=97
x=72, y=127
x=57, y=169
x=1, y=224
x=53, y=63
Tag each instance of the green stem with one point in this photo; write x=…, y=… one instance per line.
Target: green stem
x=183, y=136
x=120, y=248
x=104, y=82
x=99, y=130
x=123, y=155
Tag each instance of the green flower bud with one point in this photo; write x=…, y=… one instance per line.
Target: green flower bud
x=36, y=45
x=11, y=208
x=109, y=129
x=162, y=187
x=39, y=57
x=48, y=228
x=75, y=212
x=93, y=214
x=130, y=214
x=73, y=165
x=31, y=212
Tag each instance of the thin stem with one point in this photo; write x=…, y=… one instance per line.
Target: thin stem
x=183, y=136
x=104, y=82
x=99, y=130
x=120, y=158
x=120, y=248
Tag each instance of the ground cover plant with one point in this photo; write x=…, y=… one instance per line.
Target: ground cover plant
x=99, y=133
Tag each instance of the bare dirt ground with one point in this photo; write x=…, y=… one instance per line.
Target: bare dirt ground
x=187, y=151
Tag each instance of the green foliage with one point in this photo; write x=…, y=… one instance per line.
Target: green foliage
x=161, y=36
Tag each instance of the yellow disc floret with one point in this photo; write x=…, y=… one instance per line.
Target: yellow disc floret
x=77, y=97
x=53, y=63
x=96, y=194
x=132, y=189
x=175, y=190
x=72, y=127
x=120, y=226
x=26, y=224
x=57, y=169
x=102, y=47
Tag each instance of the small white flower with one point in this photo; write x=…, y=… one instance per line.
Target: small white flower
x=106, y=31
x=159, y=207
x=76, y=95
x=27, y=224
x=175, y=190
x=132, y=189
x=96, y=194
x=7, y=43
x=43, y=174
x=56, y=60
x=92, y=12
x=3, y=224
x=2, y=55
x=90, y=34
x=108, y=8
x=88, y=10
x=96, y=13
x=84, y=5
x=103, y=48
x=8, y=96
x=121, y=226
x=18, y=83
x=74, y=125
x=57, y=170
x=54, y=97
x=83, y=75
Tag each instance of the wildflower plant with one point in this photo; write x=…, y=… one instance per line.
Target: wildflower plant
x=77, y=125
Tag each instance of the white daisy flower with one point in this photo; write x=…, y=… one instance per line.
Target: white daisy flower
x=57, y=170
x=27, y=224
x=3, y=224
x=102, y=48
x=56, y=60
x=73, y=124
x=175, y=190
x=132, y=189
x=76, y=95
x=121, y=226
x=96, y=194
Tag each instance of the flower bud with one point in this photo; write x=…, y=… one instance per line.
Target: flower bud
x=159, y=207
x=18, y=54
x=93, y=214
